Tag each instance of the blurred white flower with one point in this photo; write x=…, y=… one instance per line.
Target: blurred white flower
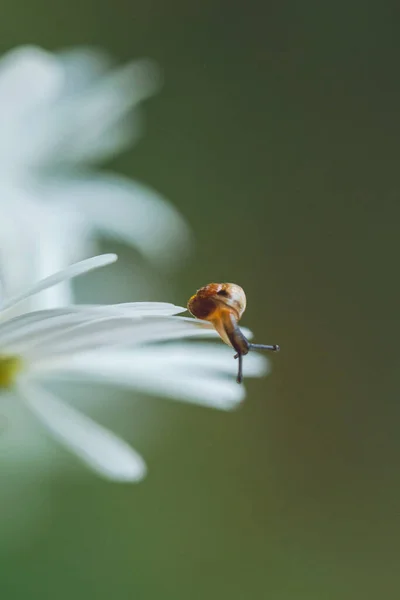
x=60, y=114
x=115, y=344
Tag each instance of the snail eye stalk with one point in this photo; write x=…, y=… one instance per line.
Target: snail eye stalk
x=273, y=348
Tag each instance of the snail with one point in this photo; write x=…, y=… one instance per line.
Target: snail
x=223, y=304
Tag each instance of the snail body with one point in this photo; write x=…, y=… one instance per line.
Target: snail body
x=223, y=305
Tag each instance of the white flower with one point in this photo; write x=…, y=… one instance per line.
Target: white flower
x=115, y=344
x=60, y=114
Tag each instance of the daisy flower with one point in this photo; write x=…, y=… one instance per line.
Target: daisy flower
x=138, y=346
x=61, y=113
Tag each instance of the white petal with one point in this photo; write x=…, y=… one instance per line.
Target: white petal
x=96, y=446
x=29, y=330
x=30, y=80
x=70, y=272
x=84, y=121
x=82, y=65
x=136, y=309
x=17, y=335
x=128, y=211
x=202, y=374
x=24, y=233
x=15, y=327
x=59, y=237
x=106, y=332
x=29, y=76
x=194, y=356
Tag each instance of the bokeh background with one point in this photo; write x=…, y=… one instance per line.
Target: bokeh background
x=276, y=135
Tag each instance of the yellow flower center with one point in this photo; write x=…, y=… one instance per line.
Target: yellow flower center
x=10, y=366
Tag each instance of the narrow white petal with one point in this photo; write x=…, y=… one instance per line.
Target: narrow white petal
x=128, y=211
x=106, y=332
x=29, y=76
x=32, y=329
x=85, y=120
x=23, y=334
x=59, y=241
x=195, y=356
x=30, y=81
x=70, y=272
x=23, y=234
x=96, y=446
x=82, y=65
x=204, y=389
x=142, y=309
x=202, y=374
x=16, y=325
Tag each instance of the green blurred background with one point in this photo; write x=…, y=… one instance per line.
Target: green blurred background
x=277, y=135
